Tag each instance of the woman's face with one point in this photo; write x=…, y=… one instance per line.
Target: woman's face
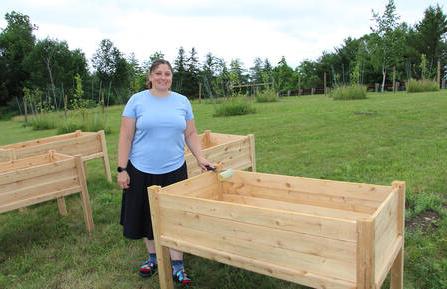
x=161, y=78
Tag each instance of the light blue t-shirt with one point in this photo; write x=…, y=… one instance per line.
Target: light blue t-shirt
x=159, y=140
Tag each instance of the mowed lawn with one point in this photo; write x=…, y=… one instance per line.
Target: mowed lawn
x=383, y=138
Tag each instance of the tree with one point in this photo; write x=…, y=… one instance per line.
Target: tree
x=191, y=86
x=105, y=60
x=16, y=42
x=429, y=35
x=209, y=72
x=386, y=40
x=179, y=69
x=236, y=73
x=284, y=77
x=51, y=64
x=256, y=71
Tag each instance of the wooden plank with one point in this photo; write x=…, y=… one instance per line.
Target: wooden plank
x=359, y=191
x=163, y=256
x=262, y=252
x=24, y=176
x=301, y=197
x=290, y=221
x=5, y=207
x=266, y=268
x=37, y=189
x=39, y=141
x=192, y=185
x=294, y=207
x=6, y=167
x=209, y=192
x=219, y=138
x=301, y=243
x=365, y=254
x=84, y=145
x=39, y=175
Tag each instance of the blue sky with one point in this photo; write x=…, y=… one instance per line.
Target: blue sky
x=270, y=29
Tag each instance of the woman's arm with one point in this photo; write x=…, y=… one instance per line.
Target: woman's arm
x=127, y=131
x=193, y=143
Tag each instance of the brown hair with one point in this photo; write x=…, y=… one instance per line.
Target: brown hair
x=156, y=63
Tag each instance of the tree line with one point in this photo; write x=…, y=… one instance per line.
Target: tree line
x=49, y=70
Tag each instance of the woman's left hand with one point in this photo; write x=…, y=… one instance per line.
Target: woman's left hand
x=205, y=165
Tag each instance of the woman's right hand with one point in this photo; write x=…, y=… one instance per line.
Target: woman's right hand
x=123, y=180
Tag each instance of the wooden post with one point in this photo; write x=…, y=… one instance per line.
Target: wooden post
x=25, y=106
x=397, y=269
x=105, y=155
x=206, y=141
x=85, y=198
x=394, y=79
x=251, y=138
x=61, y=206
x=163, y=256
x=325, y=83
x=438, y=75
x=365, y=254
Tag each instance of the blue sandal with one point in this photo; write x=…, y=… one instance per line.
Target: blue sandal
x=181, y=278
x=147, y=269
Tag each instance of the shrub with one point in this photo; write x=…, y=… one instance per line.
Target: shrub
x=422, y=85
x=234, y=106
x=268, y=95
x=43, y=121
x=348, y=92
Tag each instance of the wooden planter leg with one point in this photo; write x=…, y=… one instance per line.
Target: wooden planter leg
x=105, y=155
x=163, y=255
x=85, y=199
x=397, y=271
x=61, y=206
x=251, y=138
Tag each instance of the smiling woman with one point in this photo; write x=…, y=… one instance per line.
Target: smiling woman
x=156, y=124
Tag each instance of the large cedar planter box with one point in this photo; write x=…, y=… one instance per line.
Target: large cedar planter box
x=233, y=151
x=89, y=145
x=319, y=233
x=41, y=178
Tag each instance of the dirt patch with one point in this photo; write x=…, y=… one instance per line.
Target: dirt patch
x=426, y=221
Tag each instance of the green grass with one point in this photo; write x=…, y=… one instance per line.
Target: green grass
x=377, y=140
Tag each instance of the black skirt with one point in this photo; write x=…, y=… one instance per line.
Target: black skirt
x=135, y=210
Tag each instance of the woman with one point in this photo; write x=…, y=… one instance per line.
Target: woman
x=155, y=125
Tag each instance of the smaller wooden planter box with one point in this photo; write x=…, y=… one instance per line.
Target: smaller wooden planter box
x=233, y=151
x=41, y=178
x=319, y=233
x=89, y=145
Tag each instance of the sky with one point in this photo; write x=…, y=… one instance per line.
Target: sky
x=295, y=29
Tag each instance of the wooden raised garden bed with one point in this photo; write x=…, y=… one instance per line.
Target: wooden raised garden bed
x=89, y=145
x=318, y=233
x=233, y=151
x=41, y=178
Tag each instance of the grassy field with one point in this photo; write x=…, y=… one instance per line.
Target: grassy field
x=377, y=140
